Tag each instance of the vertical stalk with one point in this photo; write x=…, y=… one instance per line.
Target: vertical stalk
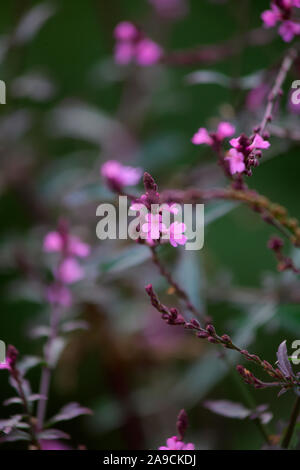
x=46, y=371
x=291, y=427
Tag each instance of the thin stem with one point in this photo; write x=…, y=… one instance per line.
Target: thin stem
x=291, y=427
x=276, y=90
x=179, y=290
x=271, y=213
x=22, y=395
x=47, y=371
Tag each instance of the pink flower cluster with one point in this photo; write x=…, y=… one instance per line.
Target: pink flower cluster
x=133, y=46
x=69, y=270
x=214, y=139
x=117, y=176
x=238, y=156
x=281, y=11
x=153, y=227
x=173, y=443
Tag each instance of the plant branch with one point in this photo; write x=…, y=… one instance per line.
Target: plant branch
x=291, y=427
x=178, y=289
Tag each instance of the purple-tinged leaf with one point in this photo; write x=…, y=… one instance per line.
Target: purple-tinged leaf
x=40, y=332
x=283, y=360
x=25, y=385
x=74, y=325
x=262, y=414
x=27, y=363
x=6, y=425
x=228, y=408
x=55, y=350
x=15, y=435
x=36, y=397
x=32, y=22
x=50, y=434
x=70, y=411
x=12, y=401
x=282, y=391
x=265, y=418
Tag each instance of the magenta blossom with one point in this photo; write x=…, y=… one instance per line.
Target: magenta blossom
x=126, y=31
x=117, y=175
x=147, y=52
x=59, y=294
x=282, y=12
x=271, y=17
x=133, y=46
x=173, y=443
x=258, y=143
x=153, y=227
x=236, y=161
x=59, y=242
x=288, y=30
x=202, y=136
x=70, y=271
x=176, y=233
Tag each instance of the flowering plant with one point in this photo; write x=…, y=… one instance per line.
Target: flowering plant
x=124, y=333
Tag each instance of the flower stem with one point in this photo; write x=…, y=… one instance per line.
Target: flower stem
x=291, y=427
x=178, y=289
x=46, y=371
x=22, y=395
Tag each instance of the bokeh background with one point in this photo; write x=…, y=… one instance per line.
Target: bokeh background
x=69, y=109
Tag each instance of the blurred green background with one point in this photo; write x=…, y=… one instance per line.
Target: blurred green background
x=70, y=108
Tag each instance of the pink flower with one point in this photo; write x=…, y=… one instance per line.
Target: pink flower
x=117, y=175
x=225, y=129
x=288, y=30
x=259, y=143
x=176, y=232
x=70, y=271
x=77, y=248
x=125, y=31
x=235, y=142
x=132, y=46
x=59, y=295
x=202, y=137
x=270, y=17
x=153, y=227
x=56, y=242
x=173, y=443
x=236, y=161
x=147, y=52
x=53, y=242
